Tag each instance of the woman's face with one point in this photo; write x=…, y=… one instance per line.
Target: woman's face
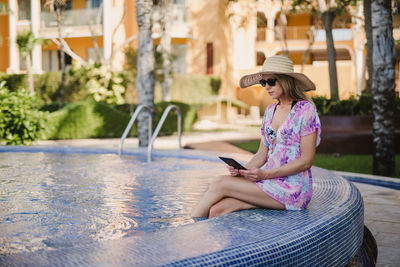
x=273, y=87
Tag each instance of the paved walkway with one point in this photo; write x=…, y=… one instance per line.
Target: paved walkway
x=382, y=205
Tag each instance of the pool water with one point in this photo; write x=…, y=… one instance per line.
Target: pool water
x=57, y=200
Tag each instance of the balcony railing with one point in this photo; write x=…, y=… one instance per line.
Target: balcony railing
x=179, y=13
x=292, y=32
x=76, y=17
x=301, y=32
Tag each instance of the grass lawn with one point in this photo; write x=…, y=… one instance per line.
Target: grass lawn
x=347, y=163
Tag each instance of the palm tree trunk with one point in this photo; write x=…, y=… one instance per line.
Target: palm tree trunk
x=62, y=59
x=30, y=74
x=165, y=48
x=327, y=19
x=368, y=33
x=383, y=87
x=145, y=66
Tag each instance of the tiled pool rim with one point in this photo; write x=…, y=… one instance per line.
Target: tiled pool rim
x=328, y=233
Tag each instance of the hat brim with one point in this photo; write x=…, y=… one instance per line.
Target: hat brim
x=252, y=79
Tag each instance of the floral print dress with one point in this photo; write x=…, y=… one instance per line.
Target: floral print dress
x=294, y=191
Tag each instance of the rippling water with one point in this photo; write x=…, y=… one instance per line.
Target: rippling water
x=51, y=200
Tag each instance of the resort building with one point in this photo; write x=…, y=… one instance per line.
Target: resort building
x=221, y=38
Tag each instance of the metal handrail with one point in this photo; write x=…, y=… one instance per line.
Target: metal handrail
x=128, y=128
x=158, y=128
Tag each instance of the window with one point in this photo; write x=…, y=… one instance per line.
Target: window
x=24, y=10
x=92, y=54
x=210, y=62
x=93, y=3
x=51, y=60
x=179, y=58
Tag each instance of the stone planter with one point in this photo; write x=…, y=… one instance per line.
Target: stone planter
x=350, y=135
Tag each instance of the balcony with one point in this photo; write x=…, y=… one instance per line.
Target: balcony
x=179, y=13
x=179, y=27
x=300, y=33
x=74, y=23
x=70, y=18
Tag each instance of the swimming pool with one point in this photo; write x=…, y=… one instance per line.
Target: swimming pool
x=86, y=207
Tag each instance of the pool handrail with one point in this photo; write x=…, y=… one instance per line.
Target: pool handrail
x=160, y=124
x=132, y=120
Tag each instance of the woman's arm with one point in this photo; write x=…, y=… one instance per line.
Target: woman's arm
x=304, y=162
x=256, y=161
x=260, y=158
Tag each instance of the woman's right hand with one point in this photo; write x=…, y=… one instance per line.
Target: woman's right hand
x=233, y=171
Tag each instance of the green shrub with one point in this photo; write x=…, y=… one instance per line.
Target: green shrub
x=215, y=84
x=47, y=86
x=188, y=115
x=14, y=82
x=98, y=81
x=20, y=119
x=90, y=119
x=86, y=119
x=194, y=89
x=351, y=106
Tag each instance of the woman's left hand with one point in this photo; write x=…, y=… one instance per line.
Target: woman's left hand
x=254, y=175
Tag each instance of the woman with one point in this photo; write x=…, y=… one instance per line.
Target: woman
x=278, y=176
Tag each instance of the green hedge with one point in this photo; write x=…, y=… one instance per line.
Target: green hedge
x=191, y=89
x=86, y=119
x=90, y=119
x=351, y=106
x=194, y=89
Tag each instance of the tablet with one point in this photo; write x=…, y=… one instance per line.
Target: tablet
x=233, y=163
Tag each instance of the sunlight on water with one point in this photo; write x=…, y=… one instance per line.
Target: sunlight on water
x=52, y=200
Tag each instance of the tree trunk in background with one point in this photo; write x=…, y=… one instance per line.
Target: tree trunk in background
x=383, y=87
x=368, y=33
x=62, y=59
x=145, y=66
x=327, y=19
x=165, y=48
x=31, y=84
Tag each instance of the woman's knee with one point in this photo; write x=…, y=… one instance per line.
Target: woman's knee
x=219, y=184
x=218, y=209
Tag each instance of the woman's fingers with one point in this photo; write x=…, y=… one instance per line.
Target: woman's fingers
x=233, y=171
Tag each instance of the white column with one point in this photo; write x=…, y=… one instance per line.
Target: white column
x=37, y=50
x=12, y=35
x=107, y=29
x=360, y=64
x=271, y=29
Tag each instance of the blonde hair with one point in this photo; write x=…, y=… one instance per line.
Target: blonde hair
x=292, y=87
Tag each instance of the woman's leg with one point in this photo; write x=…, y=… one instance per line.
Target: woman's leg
x=228, y=205
x=234, y=187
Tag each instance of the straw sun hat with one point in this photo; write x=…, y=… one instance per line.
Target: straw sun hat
x=277, y=65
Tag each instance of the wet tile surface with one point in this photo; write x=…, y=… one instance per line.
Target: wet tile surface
x=328, y=231
x=382, y=217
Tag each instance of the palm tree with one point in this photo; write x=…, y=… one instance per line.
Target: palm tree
x=4, y=8
x=368, y=33
x=56, y=6
x=145, y=66
x=26, y=42
x=383, y=87
x=165, y=10
x=327, y=11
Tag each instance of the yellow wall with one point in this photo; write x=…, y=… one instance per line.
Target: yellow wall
x=78, y=4
x=4, y=48
x=129, y=21
x=298, y=20
x=78, y=45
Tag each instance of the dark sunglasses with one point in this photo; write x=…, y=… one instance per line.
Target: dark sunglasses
x=271, y=82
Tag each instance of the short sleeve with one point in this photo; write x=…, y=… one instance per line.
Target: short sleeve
x=310, y=122
x=264, y=127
